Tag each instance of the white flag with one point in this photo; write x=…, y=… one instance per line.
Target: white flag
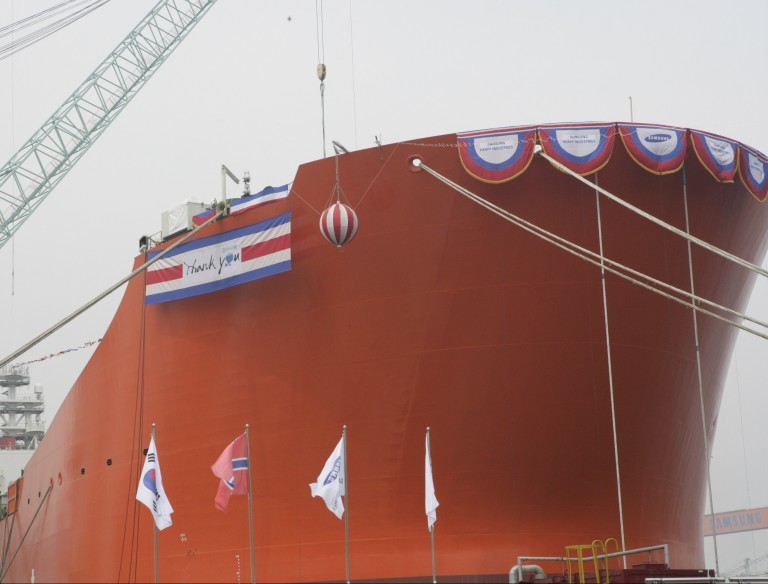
x=330, y=485
x=430, y=501
x=151, y=492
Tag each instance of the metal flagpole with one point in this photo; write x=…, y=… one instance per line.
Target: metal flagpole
x=346, y=499
x=432, y=528
x=250, y=505
x=434, y=573
x=154, y=523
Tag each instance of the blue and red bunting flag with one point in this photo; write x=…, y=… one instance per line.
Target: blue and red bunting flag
x=583, y=148
x=718, y=155
x=658, y=149
x=222, y=260
x=497, y=156
x=248, y=202
x=232, y=468
x=753, y=171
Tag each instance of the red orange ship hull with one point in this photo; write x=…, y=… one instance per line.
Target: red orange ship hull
x=438, y=314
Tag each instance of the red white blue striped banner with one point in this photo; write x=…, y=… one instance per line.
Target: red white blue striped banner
x=584, y=149
x=243, y=204
x=658, y=149
x=496, y=156
x=753, y=171
x=718, y=155
x=222, y=260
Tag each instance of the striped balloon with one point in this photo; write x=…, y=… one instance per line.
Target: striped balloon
x=338, y=224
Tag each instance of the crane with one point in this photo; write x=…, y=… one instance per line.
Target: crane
x=38, y=166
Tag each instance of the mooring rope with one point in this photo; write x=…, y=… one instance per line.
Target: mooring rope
x=107, y=292
x=687, y=236
x=700, y=377
x=588, y=256
x=610, y=374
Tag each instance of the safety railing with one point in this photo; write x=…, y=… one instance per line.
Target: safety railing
x=599, y=550
x=733, y=580
x=595, y=557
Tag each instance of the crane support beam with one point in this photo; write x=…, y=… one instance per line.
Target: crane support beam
x=35, y=170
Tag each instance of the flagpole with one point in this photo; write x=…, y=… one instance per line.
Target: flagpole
x=250, y=505
x=346, y=500
x=432, y=529
x=154, y=523
x=434, y=574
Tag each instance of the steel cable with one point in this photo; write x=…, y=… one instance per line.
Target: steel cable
x=33, y=37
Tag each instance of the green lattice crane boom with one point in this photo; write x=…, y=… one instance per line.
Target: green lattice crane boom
x=35, y=170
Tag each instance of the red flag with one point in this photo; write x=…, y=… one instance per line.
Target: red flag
x=232, y=469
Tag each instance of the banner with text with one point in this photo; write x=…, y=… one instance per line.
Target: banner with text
x=735, y=521
x=584, y=149
x=753, y=171
x=658, y=149
x=717, y=154
x=222, y=260
x=496, y=156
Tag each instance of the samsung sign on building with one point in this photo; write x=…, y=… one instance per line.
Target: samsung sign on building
x=735, y=521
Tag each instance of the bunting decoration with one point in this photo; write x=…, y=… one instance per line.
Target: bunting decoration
x=753, y=171
x=85, y=345
x=584, y=149
x=717, y=154
x=497, y=156
x=658, y=149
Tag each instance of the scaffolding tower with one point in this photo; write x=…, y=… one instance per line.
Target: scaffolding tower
x=21, y=410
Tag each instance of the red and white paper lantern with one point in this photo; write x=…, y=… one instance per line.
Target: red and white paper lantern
x=338, y=224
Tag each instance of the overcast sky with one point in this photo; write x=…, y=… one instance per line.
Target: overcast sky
x=241, y=90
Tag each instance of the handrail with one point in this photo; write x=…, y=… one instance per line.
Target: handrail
x=714, y=580
x=664, y=547
x=691, y=580
x=595, y=546
x=616, y=545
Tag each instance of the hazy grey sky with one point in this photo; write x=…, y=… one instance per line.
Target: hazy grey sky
x=241, y=90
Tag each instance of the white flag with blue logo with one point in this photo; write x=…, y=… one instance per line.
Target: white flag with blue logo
x=330, y=485
x=430, y=500
x=151, y=492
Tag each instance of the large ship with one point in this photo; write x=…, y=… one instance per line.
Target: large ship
x=567, y=400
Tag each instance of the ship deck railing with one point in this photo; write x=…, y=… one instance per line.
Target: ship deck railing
x=21, y=370
x=734, y=580
x=596, y=557
x=21, y=398
x=147, y=242
x=24, y=428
